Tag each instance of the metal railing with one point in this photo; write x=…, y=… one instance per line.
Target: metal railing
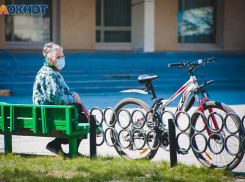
x=221, y=135
x=14, y=61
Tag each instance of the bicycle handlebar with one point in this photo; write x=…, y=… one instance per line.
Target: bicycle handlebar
x=199, y=62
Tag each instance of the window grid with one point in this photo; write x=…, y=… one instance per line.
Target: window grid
x=102, y=28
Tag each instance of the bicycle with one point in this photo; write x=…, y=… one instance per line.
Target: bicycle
x=141, y=134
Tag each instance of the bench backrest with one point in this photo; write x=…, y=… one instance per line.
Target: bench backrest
x=40, y=118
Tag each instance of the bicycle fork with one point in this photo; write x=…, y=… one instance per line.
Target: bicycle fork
x=201, y=109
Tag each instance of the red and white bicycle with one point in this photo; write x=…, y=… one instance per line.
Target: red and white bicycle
x=207, y=122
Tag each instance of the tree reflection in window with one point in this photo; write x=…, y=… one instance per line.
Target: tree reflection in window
x=196, y=21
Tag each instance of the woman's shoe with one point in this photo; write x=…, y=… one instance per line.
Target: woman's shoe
x=54, y=148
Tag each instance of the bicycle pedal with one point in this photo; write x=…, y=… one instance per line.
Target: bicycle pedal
x=126, y=138
x=130, y=147
x=182, y=152
x=161, y=128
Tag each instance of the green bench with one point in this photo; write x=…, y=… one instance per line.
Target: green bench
x=44, y=120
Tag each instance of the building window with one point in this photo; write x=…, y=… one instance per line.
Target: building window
x=29, y=28
x=113, y=21
x=196, y=21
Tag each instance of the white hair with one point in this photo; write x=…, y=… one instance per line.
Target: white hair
x=50, y=49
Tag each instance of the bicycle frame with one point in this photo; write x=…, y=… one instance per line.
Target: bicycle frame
x=187, y=88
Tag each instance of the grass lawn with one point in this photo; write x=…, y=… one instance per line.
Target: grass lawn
x=56, y=168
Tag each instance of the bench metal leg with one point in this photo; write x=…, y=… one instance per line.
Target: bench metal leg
x=8, y=143
x=72, y=147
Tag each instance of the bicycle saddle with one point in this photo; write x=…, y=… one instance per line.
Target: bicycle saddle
x=146, y=78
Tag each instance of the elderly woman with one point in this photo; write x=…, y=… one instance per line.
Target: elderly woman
x=50, y=89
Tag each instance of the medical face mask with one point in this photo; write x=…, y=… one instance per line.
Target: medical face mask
x=60, y=63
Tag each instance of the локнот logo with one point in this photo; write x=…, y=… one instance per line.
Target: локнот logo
x=23, y=9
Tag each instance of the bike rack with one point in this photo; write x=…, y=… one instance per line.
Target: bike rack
x=174, y=146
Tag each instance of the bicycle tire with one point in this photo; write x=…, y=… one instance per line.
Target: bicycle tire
x=131, y=104
x=223, y=160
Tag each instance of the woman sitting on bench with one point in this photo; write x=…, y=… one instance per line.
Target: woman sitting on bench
x=50, y=89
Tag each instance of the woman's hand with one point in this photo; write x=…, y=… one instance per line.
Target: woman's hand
x=77, y=101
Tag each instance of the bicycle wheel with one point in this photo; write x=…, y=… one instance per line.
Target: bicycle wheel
x=214, y=154
x=134, y=149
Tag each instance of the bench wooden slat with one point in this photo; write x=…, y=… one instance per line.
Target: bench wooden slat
x=68, y=122
x=25, y=112
x=13, y=125
x=25, y=121
x=45, y=125
x=21, y=125
x=5, y=112
x=56, y=127
x=75, y=125
x=35, y=120
x=55, y=113
x=62, y=123
x=74, y=113
x=57, y=122
x=85, y=125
